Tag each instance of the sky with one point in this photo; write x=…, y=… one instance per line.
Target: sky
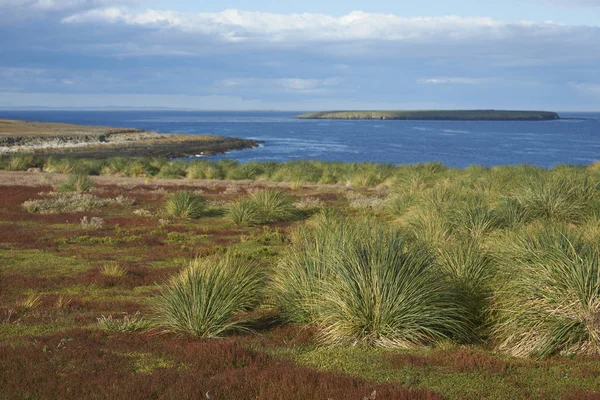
x=310, y=55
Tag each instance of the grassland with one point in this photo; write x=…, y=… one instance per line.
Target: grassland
x=100, y=141
x=443, y=115
x=92, y=300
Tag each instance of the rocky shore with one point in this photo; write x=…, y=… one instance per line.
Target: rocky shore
x=98, y=141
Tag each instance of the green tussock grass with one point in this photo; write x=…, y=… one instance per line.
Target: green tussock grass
x=203, y=298
x=362, y=284
x=185, y=204
x=551, y=303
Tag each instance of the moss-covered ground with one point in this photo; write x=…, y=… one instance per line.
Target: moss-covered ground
x=53, y=290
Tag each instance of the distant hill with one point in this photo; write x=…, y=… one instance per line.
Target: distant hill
x=442, y=115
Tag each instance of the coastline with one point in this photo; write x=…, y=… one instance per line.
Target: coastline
x=80, y=141
x=435, y=115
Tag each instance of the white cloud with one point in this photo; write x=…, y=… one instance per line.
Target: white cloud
x=290, y=85
x=355, y=34
x=236, y=25
x=454, y=81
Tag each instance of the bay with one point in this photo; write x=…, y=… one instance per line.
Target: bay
x=454, y=143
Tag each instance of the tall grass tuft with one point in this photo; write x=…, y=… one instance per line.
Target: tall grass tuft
x=361, y=284
x=551, y=304
x=273, y=205
x=300, y=273
x=472, y=270
x=18, y=162
x=385, y=294
x=473, y=219
x=559, y=198
x=242, y=212
x=203, y=299
x=77, y=182
x=185, y=204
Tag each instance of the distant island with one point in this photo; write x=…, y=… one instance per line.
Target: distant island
x=101, y=141
x=435, y=115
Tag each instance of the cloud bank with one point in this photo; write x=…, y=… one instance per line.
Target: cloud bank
x=104, y=47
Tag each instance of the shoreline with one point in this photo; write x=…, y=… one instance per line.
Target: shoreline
x=434, y=115
x=67, y=140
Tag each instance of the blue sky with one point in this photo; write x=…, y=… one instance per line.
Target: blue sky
x=311, y=55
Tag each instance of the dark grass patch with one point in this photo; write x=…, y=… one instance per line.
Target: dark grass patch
x=581, y=395
x=135, y=276
x=460, y=360
x=95, y=365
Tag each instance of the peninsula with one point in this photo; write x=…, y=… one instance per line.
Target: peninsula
x=441, y=115
x=101, y=141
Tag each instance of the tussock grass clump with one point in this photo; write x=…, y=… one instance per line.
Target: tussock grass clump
x=472, y=271
x=273, y=205
x=429, y=226
x=76, y=182
x=361, y=284
x=113, y=270
x=129, y=323
x=551, y=304
x=17, y=162
x=31, y=302
x=299, y=276
x=263, y=206
x=243, y=212
x=559, y=198
x=203, y=299
x=385, y=294
x=185, y=204
x=473, y=219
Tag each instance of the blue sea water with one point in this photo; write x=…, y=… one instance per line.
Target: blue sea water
x=454, y=143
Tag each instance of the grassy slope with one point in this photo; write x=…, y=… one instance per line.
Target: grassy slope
x=487, y=115
x=55, y=257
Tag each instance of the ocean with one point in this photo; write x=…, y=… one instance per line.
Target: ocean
x=454, y=143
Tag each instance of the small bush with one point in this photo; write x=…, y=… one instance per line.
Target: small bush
x=185, y=204
x=77, y=182
x=65, y=203
x=92, y=223
x=363, y=202
x=551, y=304
x=309, y=203
x=203, y=299
x=18, y=162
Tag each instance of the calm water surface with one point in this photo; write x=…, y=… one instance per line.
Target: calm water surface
x=454, y=143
